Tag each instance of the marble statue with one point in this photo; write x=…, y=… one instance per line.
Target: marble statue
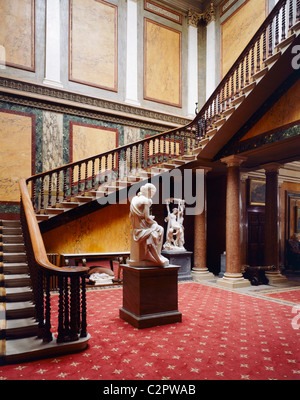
x=175, y=229
x=146, y=234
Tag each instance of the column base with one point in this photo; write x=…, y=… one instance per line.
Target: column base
x=202, y=275
x=233, y=281
x=275, y=277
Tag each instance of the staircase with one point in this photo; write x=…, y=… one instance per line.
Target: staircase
x=17, y=309
x=261, y=69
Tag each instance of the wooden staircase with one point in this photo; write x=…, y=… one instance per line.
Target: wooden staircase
x=18, y=324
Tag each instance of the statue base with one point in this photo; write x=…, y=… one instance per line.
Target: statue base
x=150, y=296
x=181, y=258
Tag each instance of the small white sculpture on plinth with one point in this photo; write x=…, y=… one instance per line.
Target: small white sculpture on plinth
x=175, y=229
x=146, y=235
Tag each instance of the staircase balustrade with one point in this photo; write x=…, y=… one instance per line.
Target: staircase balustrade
x=71, y=281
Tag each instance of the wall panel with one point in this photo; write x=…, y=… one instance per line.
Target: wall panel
x=93, y=43
x=162, y=63
x=17, y=28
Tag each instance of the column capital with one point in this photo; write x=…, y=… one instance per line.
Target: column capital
x=209, y=14
x=193, y=18
x=272, y=167
x=234, y=160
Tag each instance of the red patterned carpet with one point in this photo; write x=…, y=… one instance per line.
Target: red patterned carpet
x=224, y=335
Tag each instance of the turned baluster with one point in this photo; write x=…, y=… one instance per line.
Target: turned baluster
x=83, y=308
x=158, y=156
x=242, y=74
x=66, y=309
x=137, y=156
x=42, y=192
x=258, y=55
x=130, y=159
x=247, y=69
x=298, y=10
x=72, y=180
x=277, y=29
x=57, y=186
x=79, y=178
x=164, y=155
x=60, y=329
x=252, y=60
x=283, y=34
x=148, y=153
x=65, y=184
x=47, y=337
x=86, y=176
x=93, y=173
x=100, y=170
x=143, y=155
x=237, y=88
x=265, y=44
x=290, y=13
x=74, y=323
x=49, y=190
x=270, y=50
x=106, y=167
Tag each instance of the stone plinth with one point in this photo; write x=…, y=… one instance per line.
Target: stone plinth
x=181, y=258
x=150, y=296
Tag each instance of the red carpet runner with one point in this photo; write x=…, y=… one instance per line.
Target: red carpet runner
x=224, y=336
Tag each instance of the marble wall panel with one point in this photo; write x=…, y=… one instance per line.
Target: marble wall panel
x=89, y=140
x=17, y=32
x=93, y=43
x=162, y=63
x=16, y=158
x=238, y=29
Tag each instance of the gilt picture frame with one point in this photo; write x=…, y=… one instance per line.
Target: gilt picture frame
x=257, y=192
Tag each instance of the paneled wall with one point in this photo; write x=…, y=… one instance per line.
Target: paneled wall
x=34, y=140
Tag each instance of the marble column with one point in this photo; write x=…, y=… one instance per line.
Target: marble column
x=132, y=56
x=272, y=223
x=193, y=20
x=52, y=62
x=200, y=271
x=233, y=277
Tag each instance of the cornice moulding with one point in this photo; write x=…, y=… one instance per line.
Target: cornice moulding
x=34, y=92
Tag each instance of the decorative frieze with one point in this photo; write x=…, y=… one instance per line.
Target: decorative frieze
x=60, y=100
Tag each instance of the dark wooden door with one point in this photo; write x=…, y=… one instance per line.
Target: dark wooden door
x=256, y=238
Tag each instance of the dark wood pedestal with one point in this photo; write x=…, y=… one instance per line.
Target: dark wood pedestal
x=150, y=296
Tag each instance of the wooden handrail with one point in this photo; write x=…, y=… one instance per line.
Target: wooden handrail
x=37, y=242
x=71, y=282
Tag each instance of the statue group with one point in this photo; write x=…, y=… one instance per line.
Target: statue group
x=147, y=236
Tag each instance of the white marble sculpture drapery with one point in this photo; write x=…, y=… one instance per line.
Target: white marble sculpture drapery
x=146, y=234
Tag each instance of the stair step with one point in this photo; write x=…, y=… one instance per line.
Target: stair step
x=15, y=268
x=259, y=74
x=69, y=204
x=10, y=223
x=33, y=348
x=238, y=100
x=14, y=257
x=54, y=210
x=21, y=328
x=22, y=309
x=17, y=294
x=84, y=199
x=168, y=165
x=17, y=280
x=13, y=247
x=42, y=217
x=97, y=193
x=11, y=230
x=11, y=238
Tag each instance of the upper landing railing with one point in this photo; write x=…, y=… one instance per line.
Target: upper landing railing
x=72, y=179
